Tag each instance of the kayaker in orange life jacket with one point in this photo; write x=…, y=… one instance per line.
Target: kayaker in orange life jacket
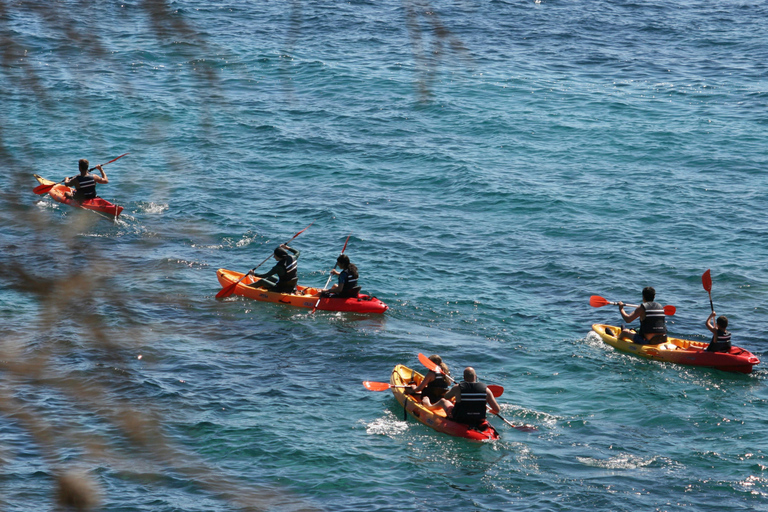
x=286, y=271
x=472, y=399
x=434, y=385
x=653, y=321
x=721, y=339
x=85, y=183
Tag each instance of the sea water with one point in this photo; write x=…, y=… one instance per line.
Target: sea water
x=496, y=163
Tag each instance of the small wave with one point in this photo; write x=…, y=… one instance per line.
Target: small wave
x=152, y=208
x=623, y=461
x=386, y=426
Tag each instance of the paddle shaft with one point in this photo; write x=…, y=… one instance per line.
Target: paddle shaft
x=331, y=275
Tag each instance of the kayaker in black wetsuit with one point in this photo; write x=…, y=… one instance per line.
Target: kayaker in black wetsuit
x=721, y=339
x=653, y=321
x=286, y=271
x=347, y=285
x=434, y=385
x=85, y=183
x=472, y=400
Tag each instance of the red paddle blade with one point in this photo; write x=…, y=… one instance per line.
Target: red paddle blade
x=496, y=391
x=706, y=280
x=43, y=189
x=375, y=386
x=428, y=362
x=226, y=291
x=669, y=310
x=597, y=301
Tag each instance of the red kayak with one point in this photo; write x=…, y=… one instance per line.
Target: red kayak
x=96, y=204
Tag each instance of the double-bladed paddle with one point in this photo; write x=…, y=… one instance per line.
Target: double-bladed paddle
x=330, y=275
x=706, y=281
x=597, y=302
x=230, y=288
x=44, y=189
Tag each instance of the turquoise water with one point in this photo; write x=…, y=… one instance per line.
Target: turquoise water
x=496, y=163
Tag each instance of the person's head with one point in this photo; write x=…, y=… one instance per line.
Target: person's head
x=469, y=374
x=439, y=361
x=280, y=253
x=649, y=294
x=82, y=164
x=722, y=322
x=342, y=261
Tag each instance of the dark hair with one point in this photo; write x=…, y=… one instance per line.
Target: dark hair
x=722, y=321
x=342, y=260
x=82, y=164
x=649, y=294
x=280, y=252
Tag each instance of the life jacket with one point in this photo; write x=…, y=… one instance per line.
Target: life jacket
x=290, y=266
x=349, y=283
x=721, y=342
x=436, y=389
x=471, y=409
x=86, y=187
x=655, y=321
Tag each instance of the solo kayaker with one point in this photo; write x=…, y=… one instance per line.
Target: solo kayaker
x=347, y=285
x=434, y=385
x=85, y=183
x=286, y=271
x=472, y=400
x=653, y=321
x=721, y=338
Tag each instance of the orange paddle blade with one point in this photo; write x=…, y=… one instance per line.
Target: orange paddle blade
x=428, y=362
x=670, y=310
x=43, y=189
x=375, y=386
x=597, y=301
x=496, y=391
x=227, y=291
x=706, y=280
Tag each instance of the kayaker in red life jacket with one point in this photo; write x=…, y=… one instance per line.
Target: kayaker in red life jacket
x=434, y=385
x=286, y=271
x=721, y=339
x=653, y=321
x=85, y=183
x=472, y=399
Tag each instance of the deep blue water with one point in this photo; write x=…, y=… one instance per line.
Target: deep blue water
x=496, y=163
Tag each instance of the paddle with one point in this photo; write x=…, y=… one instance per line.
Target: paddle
x=496, y=391
x=522, y=428
x=44, y=189
x=330, y=275
x=230, y=288
x=597, y=302
x=706, y=280
x=380, y=386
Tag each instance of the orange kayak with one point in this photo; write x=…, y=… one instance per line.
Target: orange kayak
x=96, y=204
x=305, y=297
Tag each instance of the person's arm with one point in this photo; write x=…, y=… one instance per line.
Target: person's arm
x=710, y=323
x=635, y=314
x=295, y=252
x=452, y=393
x=101, y=179
x=491, y=400
x=338, y=287
x=272, y=272
x=68, y=181
x=429, y=377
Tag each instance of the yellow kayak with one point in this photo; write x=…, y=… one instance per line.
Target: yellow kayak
x=679, y=351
